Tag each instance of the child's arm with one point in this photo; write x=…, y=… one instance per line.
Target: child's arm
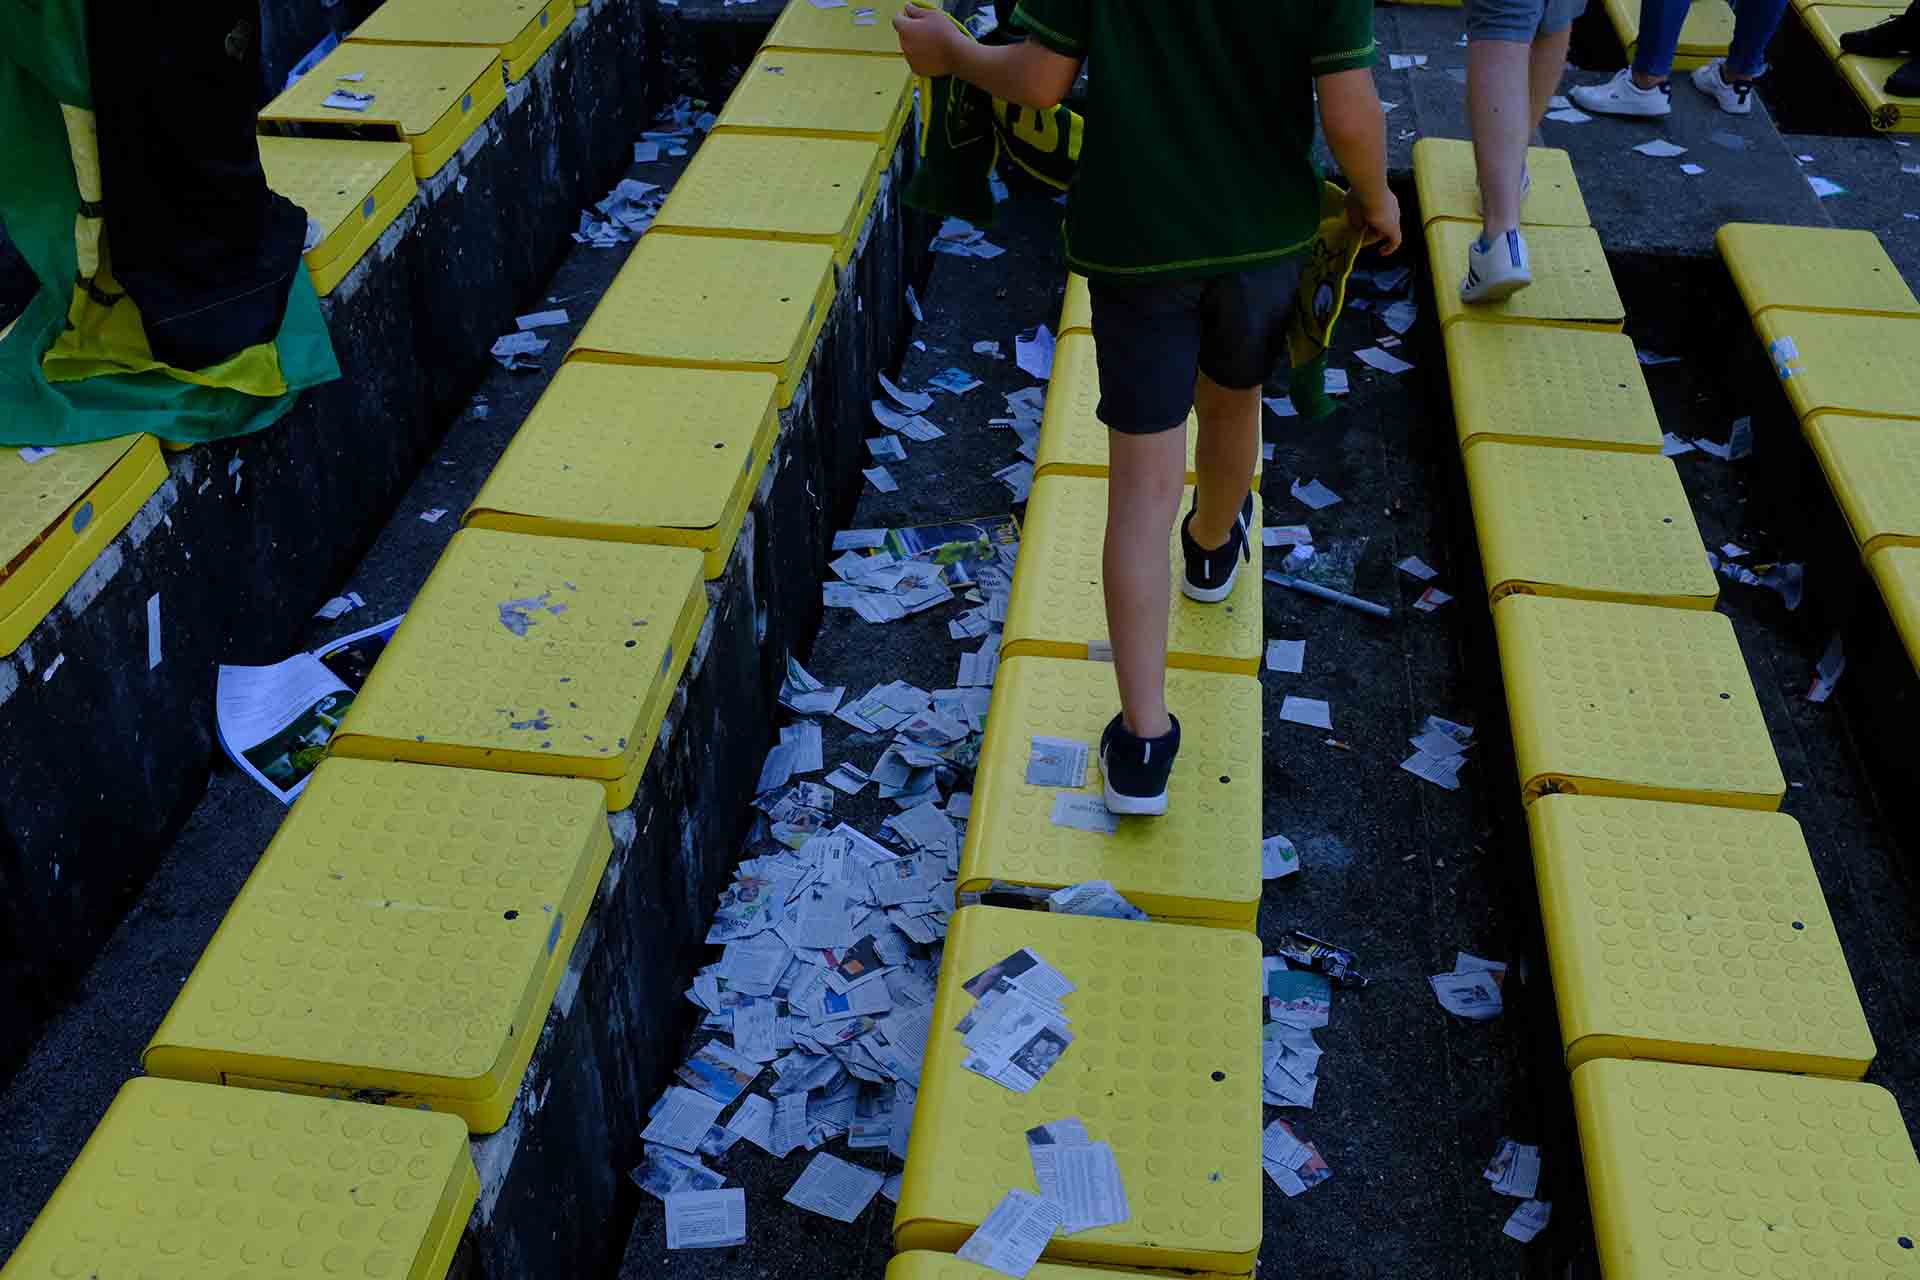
x=1356, y=130
x=1028, y=74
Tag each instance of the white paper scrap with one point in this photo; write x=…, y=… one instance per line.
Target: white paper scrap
x=881, y=479
x=33, y=453
x=911, y=401
x=646, y=152
x=541, y=319
x=1515, y=1169
x=1083, y=813
x=1057, y=762
x=1569, y=115
x=1278, y=857
x=1473, y=996
x=683, y=1119
x=1286, y=655
x=1824, y=187
x=1529, y=1220
x=1311, y=712
x=1418, y=568
x=1673, y=446
x=1014, y=1235
x=1035, y=354
x=1314, y=494
x=433, y=515
x=153, y=631
x=707, y=1219
x=1282, y=406
x=1660, y=149
x=1384, y=361
x=1692, y=170
x=833, y=1188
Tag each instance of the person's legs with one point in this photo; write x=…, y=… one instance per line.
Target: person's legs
x=1660, y=23
x=1754, y=22
x=1147, y=342
x=1224, y=458
x=1499, y=110
x=1546, y=66
x=1145, y=476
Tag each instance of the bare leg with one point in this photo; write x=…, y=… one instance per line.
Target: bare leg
x=1546, y=64
x=1498, y=107
x=1224, y=457
x=1144, y=482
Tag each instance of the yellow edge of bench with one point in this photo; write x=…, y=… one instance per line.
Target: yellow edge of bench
x=1553, y=783
x=451, y=131
x=483, y=1106
x=1554, y=590
x=391, y=195
x=1033, y=648
x=709, y=539
x=82, y=549
x=1635, y=1048
x=621, y=776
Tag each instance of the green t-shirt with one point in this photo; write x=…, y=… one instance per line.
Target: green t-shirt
x=1198, y=157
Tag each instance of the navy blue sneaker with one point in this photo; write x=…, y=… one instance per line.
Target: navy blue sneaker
x=1134, y=771
x=1210, y=575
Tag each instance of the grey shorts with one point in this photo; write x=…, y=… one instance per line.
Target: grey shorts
x=1152, y=340
x=1519, y=21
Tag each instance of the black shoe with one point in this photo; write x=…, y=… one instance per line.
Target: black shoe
x=1905, y=83
x=1894, y=38
x=1210, y=574
x=1134, y=770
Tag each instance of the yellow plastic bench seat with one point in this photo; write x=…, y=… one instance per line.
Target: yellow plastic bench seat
x=430, y=97
x=58, y=513
x=519, y=30
x=1058, y=608
x=1541, y=385
x=1868, y=366
x=353, y=190
x=704, y=302
x=1076, y=313
x=1164, y=1067
x=1897, y=571
x=1572, y=284
x=401, y=939
x=637, y=453
x=552, y=656
x=1449, y=185
x=760, y=187
x=1624, y=700
x=1196, y=865
x=1813, y=269
x=922, y=1265
x=804, y=26
x=1586, y=524
x=1689, y=933
x=1706, y=34
x=1073, y=440
x=1695, y=1171
x=1867, y=77
x=192, y=1179
x=806, y=94
x=1873, y=467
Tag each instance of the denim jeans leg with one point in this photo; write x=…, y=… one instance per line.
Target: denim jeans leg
x=1660, y=23
x=1754, y=23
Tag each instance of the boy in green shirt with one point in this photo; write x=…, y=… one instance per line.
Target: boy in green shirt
x=1196, y=190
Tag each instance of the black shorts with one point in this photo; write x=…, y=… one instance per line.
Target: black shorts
x=1153, y=339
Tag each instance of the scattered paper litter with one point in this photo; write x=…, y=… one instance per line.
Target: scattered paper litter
x=1083, y=813
x=1441, y=770
x=1529, y=1220
x=1660, y=149
x=1286, y=655
x=1282, y=406
x=1405, y=61
x=911, y=401
x=432, y=515
x=989, y=348
x=881, y=479
x=1418, y=568
x=1014, y=1235
x=1384, y=361
x=1827, y=672
x=515, y=351
x=1311, y=712
x=1739, y=442
x=1314, y=494
x=1093, y=898
x=1018, y=478
x=707, y=1219
x=1472, y=991
x=1278, y=857
x=1514, y=1169
x=1034, y=353
x=1057, y=762
x=541, y=319
x=1079, y=1175
x=33, y=453
x=1293, y=1164
x=339, y=605
x=957, y=381
x=1430, y=599
x=835, y=1189
x=1399, y=316
x=1673, y=446
x=1286, y=535
x=347, y=100
x=646, y=152
x=1653, y=360
x=1692, y=170
x=1569, y=115
x=1824, y=187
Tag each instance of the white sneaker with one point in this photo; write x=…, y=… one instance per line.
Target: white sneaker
x=1620, y=96
x=1495, y=271
x=1734, y=99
